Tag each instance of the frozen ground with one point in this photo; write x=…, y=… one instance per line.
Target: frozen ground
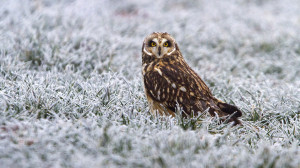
x=71, y=93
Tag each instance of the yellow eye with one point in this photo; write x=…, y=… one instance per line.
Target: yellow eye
x=153, y=44
x=166, y=44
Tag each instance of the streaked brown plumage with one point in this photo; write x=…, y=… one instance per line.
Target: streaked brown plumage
x=169, y=82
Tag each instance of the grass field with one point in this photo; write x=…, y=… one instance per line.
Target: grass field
x=71, y=91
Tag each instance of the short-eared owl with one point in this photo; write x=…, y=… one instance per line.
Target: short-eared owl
x=169, y=82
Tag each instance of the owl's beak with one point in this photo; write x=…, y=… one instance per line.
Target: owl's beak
x=159, y=50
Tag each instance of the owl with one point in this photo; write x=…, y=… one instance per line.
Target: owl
x=170, y=83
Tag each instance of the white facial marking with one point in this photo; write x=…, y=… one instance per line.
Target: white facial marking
x=155, y=40
x=147, y=51
x=155, y=49
x=173, y=85
x=171, y=51
x=163, y=40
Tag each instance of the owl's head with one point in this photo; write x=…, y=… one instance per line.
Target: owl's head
x=159, y=45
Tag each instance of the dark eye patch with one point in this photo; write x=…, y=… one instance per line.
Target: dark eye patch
x=151, y=43
x=167, y=44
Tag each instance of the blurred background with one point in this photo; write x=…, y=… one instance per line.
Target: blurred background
x=238, y=37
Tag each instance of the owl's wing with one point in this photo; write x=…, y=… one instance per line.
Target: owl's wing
x=183, y=76
x=177, y=84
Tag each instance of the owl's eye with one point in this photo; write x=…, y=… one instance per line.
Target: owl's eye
x=152, y=44
x=167, y=44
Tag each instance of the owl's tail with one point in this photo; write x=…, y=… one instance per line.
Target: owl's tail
x=233, y=112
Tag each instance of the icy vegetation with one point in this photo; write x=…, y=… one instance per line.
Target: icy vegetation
x=71, y=91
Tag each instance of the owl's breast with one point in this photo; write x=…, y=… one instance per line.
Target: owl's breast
x=157, y=85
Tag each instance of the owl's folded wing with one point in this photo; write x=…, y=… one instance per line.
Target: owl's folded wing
x=174, y=85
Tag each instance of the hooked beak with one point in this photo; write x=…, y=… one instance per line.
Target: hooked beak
x=159, y=50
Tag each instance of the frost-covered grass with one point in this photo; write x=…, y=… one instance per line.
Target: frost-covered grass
x=71, y=92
